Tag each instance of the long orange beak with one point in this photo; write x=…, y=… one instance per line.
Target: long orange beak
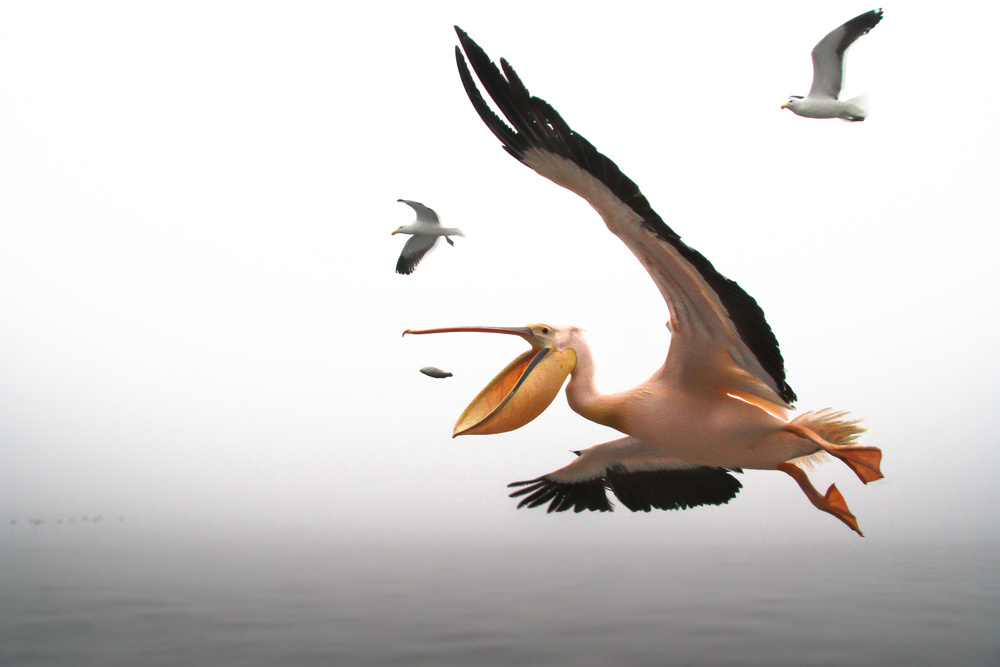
x=520, y=392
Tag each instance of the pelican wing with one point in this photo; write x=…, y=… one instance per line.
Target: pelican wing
x=414, y=250
x=708, y=312
x=641, y=477
x=424, y=214
x=828, y=54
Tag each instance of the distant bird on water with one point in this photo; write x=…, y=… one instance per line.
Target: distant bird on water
x=426, y=231
x=435, y=372
x=828, y=74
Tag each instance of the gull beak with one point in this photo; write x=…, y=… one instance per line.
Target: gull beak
x=520, y=392
x=396, y=231
x=783, y=106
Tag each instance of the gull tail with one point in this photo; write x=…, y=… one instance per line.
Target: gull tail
x=857, y=109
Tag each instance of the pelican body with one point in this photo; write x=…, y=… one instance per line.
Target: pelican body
x=828, y=73
x=720, y=401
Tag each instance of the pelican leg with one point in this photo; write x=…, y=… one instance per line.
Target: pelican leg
x=864, y=461
x=833, y=502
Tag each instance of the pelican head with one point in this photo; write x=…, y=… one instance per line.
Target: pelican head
x=528, y=385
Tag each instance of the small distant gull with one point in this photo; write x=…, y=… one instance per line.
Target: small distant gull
x=828, y=73
x=426, y=231
x=435, y=372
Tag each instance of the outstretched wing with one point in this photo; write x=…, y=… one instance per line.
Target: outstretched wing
x=641, y=477
x=424, y=213
x=708, y=312
x=414, y=250
x=828, y=54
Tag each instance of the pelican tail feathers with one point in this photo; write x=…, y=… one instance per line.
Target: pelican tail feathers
x=834, y=426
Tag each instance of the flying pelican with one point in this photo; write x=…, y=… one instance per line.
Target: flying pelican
x=719, y=402
x=426, y=231
x=828, y=73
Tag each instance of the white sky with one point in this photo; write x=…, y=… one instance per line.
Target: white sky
x=200, y=321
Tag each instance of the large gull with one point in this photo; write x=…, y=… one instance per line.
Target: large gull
x=828, y=74
x=426, y=230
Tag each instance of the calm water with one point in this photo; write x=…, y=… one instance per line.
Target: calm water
x=113, y=595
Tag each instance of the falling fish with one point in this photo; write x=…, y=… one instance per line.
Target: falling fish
x=435, y=372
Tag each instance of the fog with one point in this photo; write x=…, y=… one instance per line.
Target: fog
x=200, y=322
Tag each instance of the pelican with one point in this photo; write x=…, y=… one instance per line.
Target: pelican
x=717, y=405
x=828, y=73
x=426, y=231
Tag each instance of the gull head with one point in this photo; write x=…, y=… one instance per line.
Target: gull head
x=792, y=102
x=405, y=229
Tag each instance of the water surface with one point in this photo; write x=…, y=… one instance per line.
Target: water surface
x=115, y=595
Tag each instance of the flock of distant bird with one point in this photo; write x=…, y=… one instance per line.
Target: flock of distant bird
x=720, y=401
x=82, y=519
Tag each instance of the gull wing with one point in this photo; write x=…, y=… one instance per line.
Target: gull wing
x=709, y=313
x=828, y=54
x=424, y=213
x=414, y=250
x=641, y=477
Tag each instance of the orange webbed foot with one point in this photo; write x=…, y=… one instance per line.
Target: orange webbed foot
x=832, y=502
x=864, y=461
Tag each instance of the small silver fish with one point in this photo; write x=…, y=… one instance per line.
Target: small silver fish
x=435, y=372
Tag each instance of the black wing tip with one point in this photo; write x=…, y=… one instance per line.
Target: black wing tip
x=535, y=124
x=862, y=23
x=639, y=491
x=467, y=43
x=588, y=495
x=644, y=491
x=405, y=268
x=875, y=16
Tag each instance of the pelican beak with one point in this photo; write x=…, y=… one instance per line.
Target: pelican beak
x=520, y=392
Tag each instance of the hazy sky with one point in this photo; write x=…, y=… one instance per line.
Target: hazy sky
x=200, y=319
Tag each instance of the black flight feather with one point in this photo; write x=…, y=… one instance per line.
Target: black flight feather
x=536, y=125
